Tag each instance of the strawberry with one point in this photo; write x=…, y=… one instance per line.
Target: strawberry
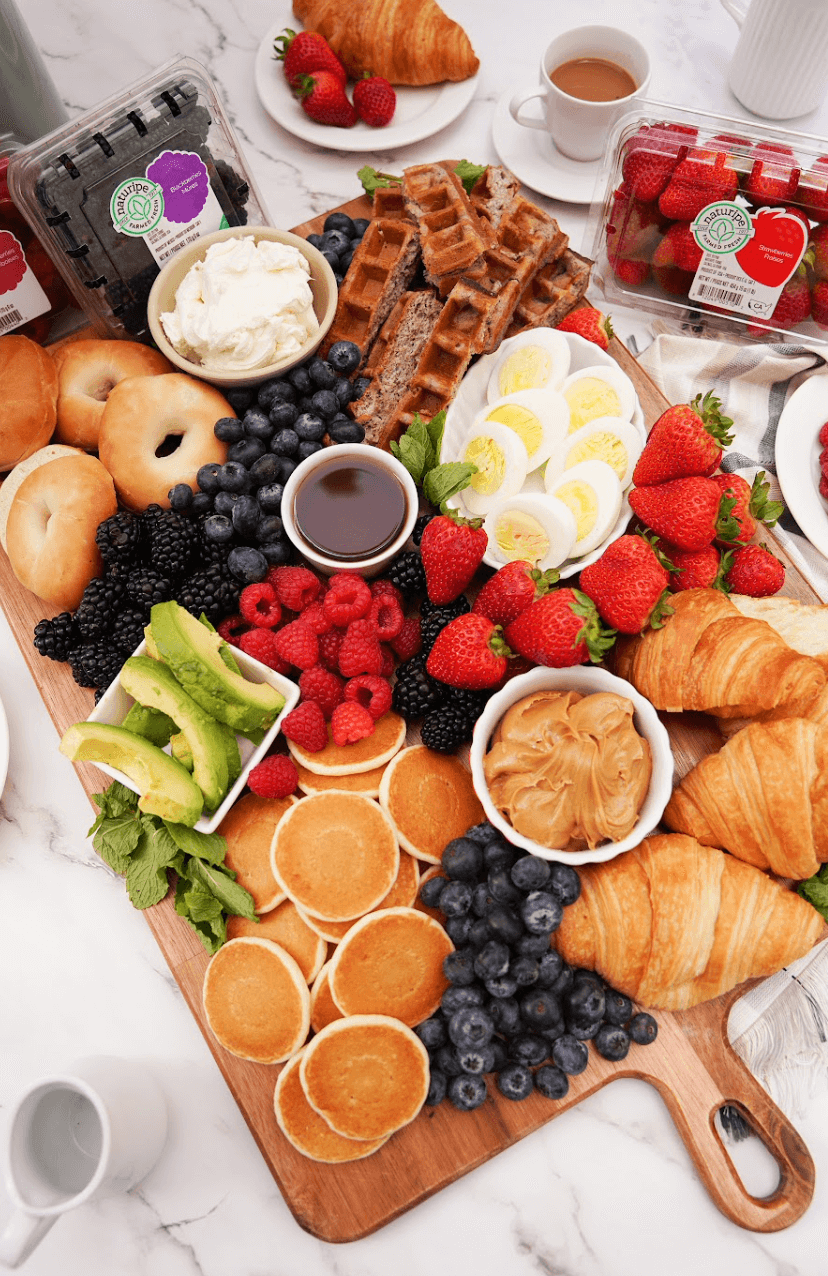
x=755, y=572
x=774, y=177
x=306, y=52
x=469, y=652
x=819, y=303
x=696, y=568
x=650, y=157
x=689, y=512
x=678, y=248
x=323, y=99
x=590, y=324
x=752, y=503
x=561, y=629
x=819, y=244
x=510, y=591
x=728, y=142
x=629, y=272
x=701, y=179
x=633, y=228
x=686, y=439
x=823, y=435
x=452, y=549
x=793, y=306
x=375, y=100
x=628, y=585
x=812, y=191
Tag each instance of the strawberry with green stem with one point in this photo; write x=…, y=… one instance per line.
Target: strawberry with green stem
x=703, y=177
x=559, y=630
x=452, y=549
x=755, y=571
x=307, y=52
x=511, y=590
x=589, y=323
x=687, y=439
x=688, y=512
x=628, y=585
x=469, y=652
x=323, y=99
x=374, y=100
x=752, y=505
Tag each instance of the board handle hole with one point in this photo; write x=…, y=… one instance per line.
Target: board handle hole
x=754, y=1163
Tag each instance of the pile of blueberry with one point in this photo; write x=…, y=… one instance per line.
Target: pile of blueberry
x=340, y=238
x=514, y=1007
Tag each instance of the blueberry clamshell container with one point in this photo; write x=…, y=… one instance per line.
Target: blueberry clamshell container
x=647, y=297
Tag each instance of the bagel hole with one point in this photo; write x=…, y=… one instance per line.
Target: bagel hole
x=103, y=389
x=171, y=443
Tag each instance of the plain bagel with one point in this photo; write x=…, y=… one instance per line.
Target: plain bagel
x=88, y=371
x=50, y=532
x=28, y=392
x=141, y=414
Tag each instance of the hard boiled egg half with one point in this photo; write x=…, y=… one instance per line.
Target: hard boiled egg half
x=534, y=360
x=607, y=438
x=501, y=461
x=539, y=418
x=592, y=493
x=538, y=528
x=601, y=390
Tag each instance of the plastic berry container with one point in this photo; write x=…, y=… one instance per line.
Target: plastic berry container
x=118, y=191
x=714, y=224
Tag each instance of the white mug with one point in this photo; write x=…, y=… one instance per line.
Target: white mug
x=94, y=1131
x=578, y=127
x=780, y=67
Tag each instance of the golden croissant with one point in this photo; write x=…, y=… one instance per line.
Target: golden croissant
x=763, y=797
x=709, y=657
x=406, y=41
x=673, y=923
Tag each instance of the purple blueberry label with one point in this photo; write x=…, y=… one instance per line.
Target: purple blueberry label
x=183, y=179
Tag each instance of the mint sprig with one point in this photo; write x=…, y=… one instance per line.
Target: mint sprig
x=419, y=451
x=372, y=179
x=815, y=890
x=469, y=173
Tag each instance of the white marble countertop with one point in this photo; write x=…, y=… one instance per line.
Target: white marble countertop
x=608, y=1189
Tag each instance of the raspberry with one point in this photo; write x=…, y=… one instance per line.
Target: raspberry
x=305, y=726
x=350, y=722
x=298, y=645
x=409, y=640
x=360, y=651
x=319, y=684
x=348, y=598
x=386, y=614
x=232, y=628
x=329, y=648
x=386, y=588
x=372, y=692
x=259, y=605
x=314, y=617
x=274, y=777
x=388, y=662
x=261, y=645
x=823, y=461
x=295, y=587
x=823, y=435
x=823, y=486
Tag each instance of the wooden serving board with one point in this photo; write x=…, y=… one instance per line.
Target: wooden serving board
x=691, y=1063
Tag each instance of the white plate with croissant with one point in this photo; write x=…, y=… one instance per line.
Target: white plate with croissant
x=420, y=111
x=797, y=458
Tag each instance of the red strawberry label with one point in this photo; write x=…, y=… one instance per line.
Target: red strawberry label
x=775, y=248
x=12, y=262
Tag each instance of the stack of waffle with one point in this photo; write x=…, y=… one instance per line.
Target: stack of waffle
x=493, y=264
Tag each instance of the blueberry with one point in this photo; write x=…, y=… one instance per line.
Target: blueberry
x=467, y=1092
x=457, y=929
x=229, y=429
x=501, y=986
x=504, y=923
x=584, y=1003
x=332, y=259
x=269, y=529
x=270, y=496
x=322, y=375
x=505, y=1014
x=277, y=553
x=346, y=432
x=515, y=1081
x=455, y=899
x=240, y=399
x=482, y=833
x=316, y=241
x=643, y=1029
x=180, y=496
x=339, y=221
x=246, y=452
x=299, y=379
x=335, y=241
x=344, y=357
x=431, y=891
x=462, y=859
x=207, y=478
x=432, y=1032
x=482, y=900
x=470, y=1026
x=233, y=477
x=501, y=1054
x=361, y=224
x=551, y=1082
x=460, y=995
x=245, y=516
x=325, y=404
x=446, y=1059
x=201, y=503
x=564, y=883
x=347, y=257
x=571, y=1055
x=286, y=467
x=310, y=427
x=618, y=1008
x=257, y=424
x=264, y=470
x=529, y=873
x=479, y=933
x=360, y=385
x=437, y=1085
x=218, y=529
x=549, y=967
x=541, y=912
x=533, y=946
x=247, y=564
x=281, y=414
x=344, y=391
x=306, y=449
x=502, y=887
x=612, y=1042
x=285, y=442
x=540, y=1008
x=476, y=1059
x=498, y=853
x=552, y=1034
x=525, y=971
x=224, y=503
x=585, y=1032
x=564, y=981
x=279, y=390
x=492, y=961
x=458, y=967
x=529, y=1048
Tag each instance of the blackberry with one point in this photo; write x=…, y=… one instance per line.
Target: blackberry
x=127, y=629
x=147, y=587
x=445, y=729
x=95, y=664
x=471, y=703
x=407, y=573
x=211, y=591
x=55, y=638
x=433, y=619
x=420, y=526
x=173, y=541
x=415, y=694
x=120, y=538
x=98, y=606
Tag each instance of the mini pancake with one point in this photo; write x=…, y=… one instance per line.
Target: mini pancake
x=256, y=1001
x=349, y=759
x=248, y=827
x=335, y=855
x=430, y=799
x=323, y=1008
x=367, y=1075
x=401, y=895
x=365, y=782
x=285, y=926
x=391, y=963
x=436, y=870
x=306, y=1129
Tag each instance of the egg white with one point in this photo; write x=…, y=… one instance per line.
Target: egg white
x=544, y=517
x=615, y=379
x=546, y=421
x=543, y=369
x=607, y=438
x=501, y=461
x=592, y=492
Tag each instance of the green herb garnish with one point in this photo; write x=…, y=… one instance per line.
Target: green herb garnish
x=815, y=890
x=419, y=451
x=371, y=179
x=469, y=173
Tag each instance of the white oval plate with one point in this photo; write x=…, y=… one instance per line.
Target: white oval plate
x=420, y=111
x=471, y=397
x=797, y=452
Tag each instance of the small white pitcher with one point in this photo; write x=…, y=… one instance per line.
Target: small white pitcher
x=780, y=67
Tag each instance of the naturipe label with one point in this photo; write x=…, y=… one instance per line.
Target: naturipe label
x=746, y=258
x=170, y=206
x=21, y=296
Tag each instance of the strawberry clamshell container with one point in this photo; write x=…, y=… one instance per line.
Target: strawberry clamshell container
x=716, y=225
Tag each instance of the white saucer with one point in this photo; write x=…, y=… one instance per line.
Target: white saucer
x=797, y=452
x=532, y=156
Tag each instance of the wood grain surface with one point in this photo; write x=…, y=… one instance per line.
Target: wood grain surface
x=691, y=1063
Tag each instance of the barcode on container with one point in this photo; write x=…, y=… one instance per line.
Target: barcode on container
x=10, y=319
x=728, y=295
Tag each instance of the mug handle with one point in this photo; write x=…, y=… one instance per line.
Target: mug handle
x=736, y=9
x=520, y=99
x=22, y=1235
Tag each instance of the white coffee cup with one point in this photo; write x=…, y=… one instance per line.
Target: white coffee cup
x=780, y=67
x=578, y=127
x=94, y=1131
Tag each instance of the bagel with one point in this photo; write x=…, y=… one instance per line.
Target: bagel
x=28, y=392
x=50, y=532
x=139, y=415
x=87, y=373
x=15, y=477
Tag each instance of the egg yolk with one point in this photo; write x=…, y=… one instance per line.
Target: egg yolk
x=583, y=501
x=588, y=399
x=519, y=535
x=526, y=369
x=491, y=465
x=524, y=423
x=601, y=447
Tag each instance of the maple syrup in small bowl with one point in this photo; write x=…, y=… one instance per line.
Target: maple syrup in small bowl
x=350, y=507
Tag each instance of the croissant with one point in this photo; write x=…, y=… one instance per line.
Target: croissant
x=763, y=797
x=406, y=41
x=673, y=923
x=709, y=657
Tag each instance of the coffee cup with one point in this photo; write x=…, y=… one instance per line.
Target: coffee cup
x=577, y=68
x=94, y=1131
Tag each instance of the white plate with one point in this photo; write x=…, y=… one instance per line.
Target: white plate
x=533, y=157
x=420, y=111
x=471, y=397
x=4, y=747
x=797, y=458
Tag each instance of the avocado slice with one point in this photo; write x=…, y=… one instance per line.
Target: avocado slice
x=165, y=788
x=180, y=749
x=150, y=723
x=193, y=654
x=154, y=685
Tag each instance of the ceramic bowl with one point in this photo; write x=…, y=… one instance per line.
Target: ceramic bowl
x=162, y=300
x=586, y=679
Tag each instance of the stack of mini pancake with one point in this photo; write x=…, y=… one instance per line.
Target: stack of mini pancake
x=334, y=877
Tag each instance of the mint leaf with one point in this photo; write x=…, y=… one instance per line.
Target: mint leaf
x=469, y=173
x=209, y=847
x=146, y=874
x=116, y=800
x=447, y=480
x=233, y=897
x=412, y=450
x=195, y=901
x=371, y=179
x=116, y=839
x=435, y=429
x=815, y=890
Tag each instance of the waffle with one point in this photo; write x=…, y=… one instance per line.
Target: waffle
x=394, y=358
x=389, y=204
x=452, y=235
x=493, y=192
x=382, y=268
x=552, y=293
